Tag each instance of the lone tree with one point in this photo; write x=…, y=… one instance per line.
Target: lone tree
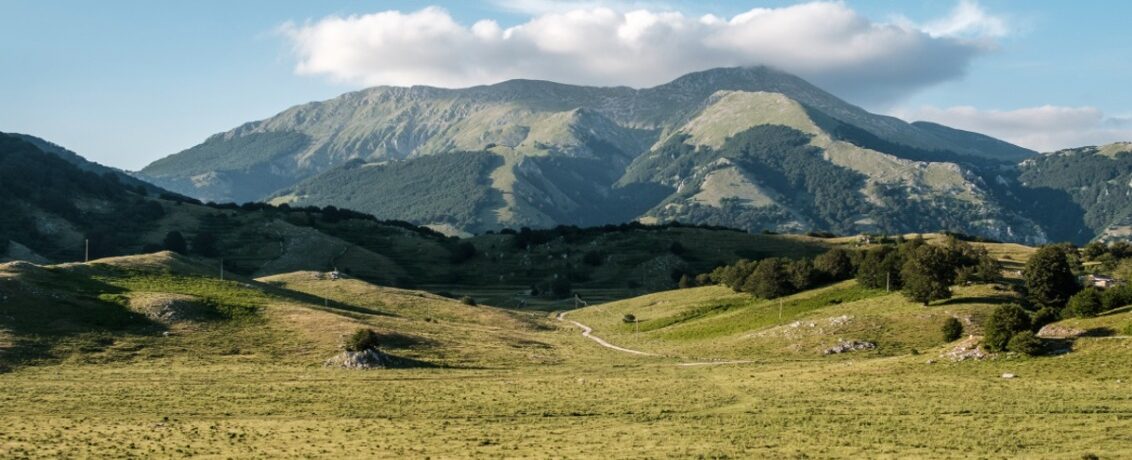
x=175, y=241
x=928, y=274
x=362, y=340
x=1049, y=278
x=1006, y=321
x=204, y=244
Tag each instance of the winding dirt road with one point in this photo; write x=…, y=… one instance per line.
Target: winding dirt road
x=587, y=332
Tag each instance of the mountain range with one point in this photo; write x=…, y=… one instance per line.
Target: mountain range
x=751, y=148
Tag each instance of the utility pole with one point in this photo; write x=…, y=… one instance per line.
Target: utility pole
x=887, y=281
x=86, y=250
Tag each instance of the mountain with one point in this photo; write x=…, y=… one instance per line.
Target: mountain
x=1099, y=181
x=540, y=154
x=82, y=163
x=55, y=211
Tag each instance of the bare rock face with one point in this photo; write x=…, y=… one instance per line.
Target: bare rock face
x=846, y=346
x=967, y=349
x=168, y=308
x=1054, y=331
x=367, y=359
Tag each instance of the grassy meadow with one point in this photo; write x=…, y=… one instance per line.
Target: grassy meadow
x=237, y=373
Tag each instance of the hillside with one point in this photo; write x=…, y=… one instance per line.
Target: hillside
x=54, y=209
x=165, y=307
x=1098, y=181
x=540, y=154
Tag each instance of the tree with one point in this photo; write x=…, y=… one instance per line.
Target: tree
x=175, y=241
x=880, y=269
x=362, y=340
x=1026, y=343
x=835, y=264
x=952, y=329
x=1049, y=278
x=928, y=274
x=769, y=280
x=1085, y=304
x=686, y=282
x=204, y=244
x=802, y=274
x=1007, y=320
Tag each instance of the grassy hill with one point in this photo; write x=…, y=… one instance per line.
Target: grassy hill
x=167, y=308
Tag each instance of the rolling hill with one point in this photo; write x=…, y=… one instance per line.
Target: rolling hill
x=54, y=209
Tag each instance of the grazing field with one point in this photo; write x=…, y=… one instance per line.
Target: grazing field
x=246, y=379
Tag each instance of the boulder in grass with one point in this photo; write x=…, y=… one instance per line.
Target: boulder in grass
x=365, y=359
x=846, y=346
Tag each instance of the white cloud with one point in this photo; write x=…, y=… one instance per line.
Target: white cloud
x=1044, y=128
x=825, y=42
x=968, y=19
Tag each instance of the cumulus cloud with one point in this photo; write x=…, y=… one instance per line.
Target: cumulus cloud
x=1045, y=128
x=825, y=42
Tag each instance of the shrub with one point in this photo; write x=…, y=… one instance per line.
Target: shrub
x=468, y=300
x=686, y=282
x=1085, y=304
x=1043, y=317
x=1006, y=321
x=952, y=329
x=1116, y=297
x=1025, y=342
x=362, y=340
x=629, y=318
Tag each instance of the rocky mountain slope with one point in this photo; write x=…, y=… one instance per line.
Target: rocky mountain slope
x=539, y=154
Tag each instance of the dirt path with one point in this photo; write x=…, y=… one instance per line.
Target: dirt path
x=587, y=332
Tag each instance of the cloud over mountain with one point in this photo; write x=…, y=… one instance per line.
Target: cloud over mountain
x=1045, y=128
x=827, y=43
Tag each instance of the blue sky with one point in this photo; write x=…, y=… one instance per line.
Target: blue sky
x=127, y=82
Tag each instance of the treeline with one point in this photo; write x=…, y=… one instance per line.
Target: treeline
x=923, y=272
x=525, y=236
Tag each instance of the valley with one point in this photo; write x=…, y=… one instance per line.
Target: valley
x=244, y=376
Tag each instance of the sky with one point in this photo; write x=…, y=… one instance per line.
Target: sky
x=127, y=82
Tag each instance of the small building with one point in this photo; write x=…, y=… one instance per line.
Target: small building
x=1101, y=281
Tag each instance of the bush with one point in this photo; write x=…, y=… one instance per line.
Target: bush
x=952, y=329
x=1085, y=304
x=468, y=300
x=629, y=318
x=686, y=282
x=1006, y=321
x=362, y=340
x=175, y=241
x=1025, y=342
x=1043, y=317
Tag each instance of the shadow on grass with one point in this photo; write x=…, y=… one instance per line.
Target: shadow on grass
x=64, y=310
x=993, y=300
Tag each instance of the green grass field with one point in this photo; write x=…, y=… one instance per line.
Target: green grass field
x=91, y=373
